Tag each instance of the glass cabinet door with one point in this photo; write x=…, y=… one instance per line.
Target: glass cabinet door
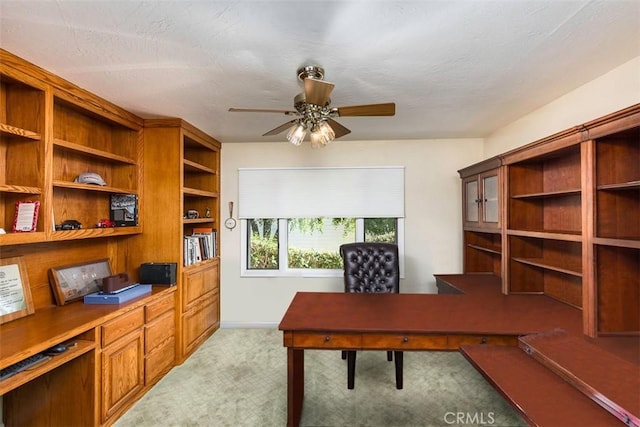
x=471, y=200
x=490, y=198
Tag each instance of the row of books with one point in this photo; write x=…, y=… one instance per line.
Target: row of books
x=201, y=245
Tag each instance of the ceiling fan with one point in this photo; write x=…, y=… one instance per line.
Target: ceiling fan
x=314, y=113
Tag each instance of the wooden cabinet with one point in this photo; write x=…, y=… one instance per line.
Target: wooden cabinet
x=51, y=132
x=138, y=347
x=200, y=304
x=186, y=165
x=482, y=212
x=159, y=338
x=122, y=361
x=480, y=195
x=569, y=223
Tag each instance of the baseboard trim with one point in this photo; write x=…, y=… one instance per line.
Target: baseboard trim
x=248, y=325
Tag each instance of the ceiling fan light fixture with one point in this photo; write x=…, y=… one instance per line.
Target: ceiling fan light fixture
x=297, y=133
x=321, y=135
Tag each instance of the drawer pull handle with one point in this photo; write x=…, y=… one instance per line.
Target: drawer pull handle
x=483, y=340
x=405, y=339
x=327, y=338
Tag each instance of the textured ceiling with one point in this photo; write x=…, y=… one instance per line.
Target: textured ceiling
x=453, y=68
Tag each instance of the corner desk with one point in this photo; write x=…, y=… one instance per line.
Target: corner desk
x=116, y=351
x=478, y=316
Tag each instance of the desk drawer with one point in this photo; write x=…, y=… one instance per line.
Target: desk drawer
x=159, y=331
x=404, y=342
x=327, y=340
x=455, y=341
x=122, y=325
x=160, y=306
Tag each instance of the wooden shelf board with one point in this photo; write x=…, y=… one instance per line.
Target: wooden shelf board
x=197, y=167
x=630, y=185
x=487, y=230
x=21, y=238
x=539, y=262
x=623, y=243
x=197, y=220
x=547, y=194
x=484, y=249
x=89, y=233
x=20, y=189
x=195, y=192
x=92, y=187
x=100, y=154
x=553, y=235
x=16, y=131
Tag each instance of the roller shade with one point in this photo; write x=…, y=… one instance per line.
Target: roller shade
x=362, y=192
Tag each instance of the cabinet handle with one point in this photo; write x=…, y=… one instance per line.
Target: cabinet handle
x=483, y=340
x=405, y=339
x=327, y=338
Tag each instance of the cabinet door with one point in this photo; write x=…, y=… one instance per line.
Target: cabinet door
x=122, y=372
x=471, y=199
x=200, y=322
x=481, y=200
x=489, y=197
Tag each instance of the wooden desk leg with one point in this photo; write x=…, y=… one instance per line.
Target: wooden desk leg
x=295, y=386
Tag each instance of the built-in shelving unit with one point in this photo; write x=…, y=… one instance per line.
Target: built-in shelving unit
x=51, y=132
x=186, y=167
x=616, y=242
x=544, y=229
x=569, y=221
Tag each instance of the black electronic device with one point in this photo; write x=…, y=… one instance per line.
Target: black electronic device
x=158, y=273
x=23, y=365
x=56, y=349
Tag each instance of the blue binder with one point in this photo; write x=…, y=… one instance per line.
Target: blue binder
x=119, y=298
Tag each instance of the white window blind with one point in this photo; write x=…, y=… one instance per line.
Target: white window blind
x=336, y=192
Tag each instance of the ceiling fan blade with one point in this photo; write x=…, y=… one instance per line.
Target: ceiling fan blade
x=262, y=110
x=317, y=91
x=338, y=129
x=280, y=128
x=388, y=109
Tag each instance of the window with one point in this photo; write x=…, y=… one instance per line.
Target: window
x=293, y=220
x=310, y=246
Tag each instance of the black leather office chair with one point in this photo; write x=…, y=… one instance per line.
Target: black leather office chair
x=371, y=268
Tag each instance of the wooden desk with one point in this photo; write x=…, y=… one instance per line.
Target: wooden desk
x=411, y=322
x=65, y=390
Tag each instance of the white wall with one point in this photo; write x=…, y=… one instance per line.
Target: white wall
x=433, y=230
x=613, y=91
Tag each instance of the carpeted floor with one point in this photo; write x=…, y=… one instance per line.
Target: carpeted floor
x=238, y=378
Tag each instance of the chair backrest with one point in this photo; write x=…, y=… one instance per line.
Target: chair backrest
x=370, y=267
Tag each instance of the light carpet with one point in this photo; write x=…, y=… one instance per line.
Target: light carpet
x=238, y=378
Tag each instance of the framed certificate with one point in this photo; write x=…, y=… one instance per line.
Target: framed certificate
x=73, y=282
x=26, y=217
x=15, y=293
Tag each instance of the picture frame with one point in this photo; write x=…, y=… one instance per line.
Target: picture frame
x=26, y=216
x=15, y=292
x=124, y=210
x=72, y=282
